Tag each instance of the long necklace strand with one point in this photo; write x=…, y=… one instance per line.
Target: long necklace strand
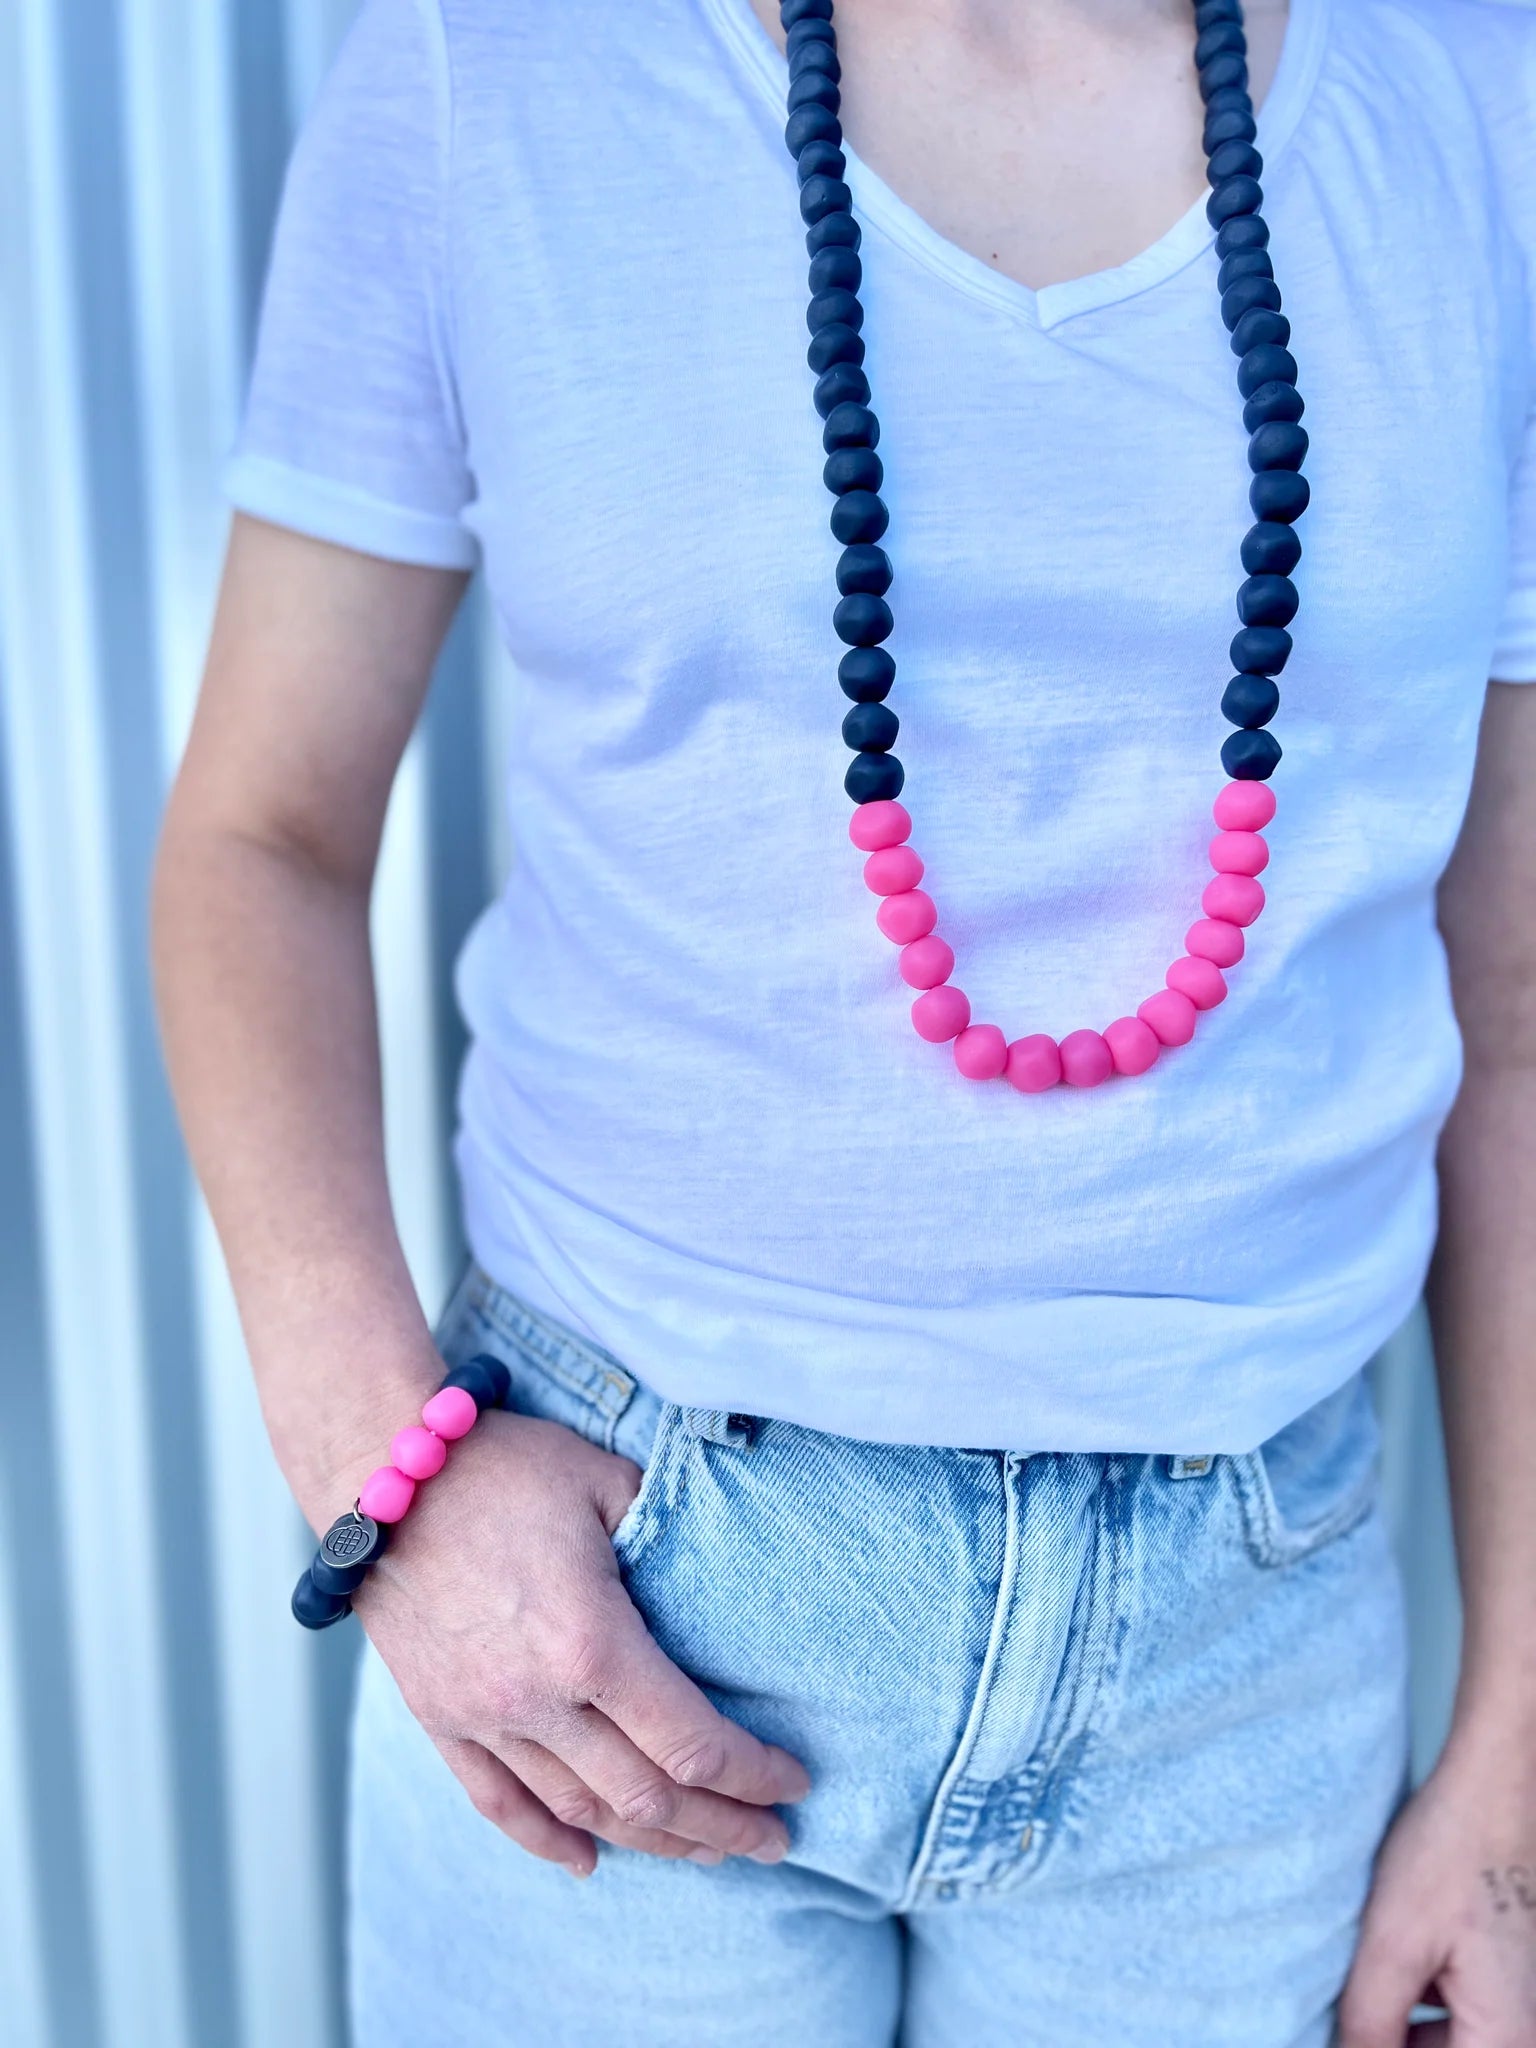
x=1266, y=600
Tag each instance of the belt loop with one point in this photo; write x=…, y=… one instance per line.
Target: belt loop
x=1195, y=1467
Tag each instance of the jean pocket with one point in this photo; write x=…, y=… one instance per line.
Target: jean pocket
x=1314, y=1480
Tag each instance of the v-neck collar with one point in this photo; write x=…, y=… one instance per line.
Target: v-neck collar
x=878, y=206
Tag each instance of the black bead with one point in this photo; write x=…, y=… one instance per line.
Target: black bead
x=820, y=160
x=1246, y=231
x=791, y=11
x=831, y=345
x=872, y=728
x=842, y=382
x=833, y=230
x=853, y=469
x=1250, y=756
x=1228, y=99
x=866, y=673
x=863, y=567
x=1267, y=601
x=1261, y=650
x=1234, y=196
x=1250, y=701
x=1246, y=263
x=814, y=29
x=1270, y=549
x=1207, y=11
x=834, y=309
x=314, y=1608
x=817, y=53
x=1273, y=402
x=347, y=1552
x=859, y=515
x=483, y=1377
x=1278, y=444
x=1249, y=293
x=1279, y=494
x=1233, y=126
x=1265, y=365
x=1234, y=160
x=820, y=196
x=814, y=89
x=1223, y=72
x=874, y=777
x=861, y=621
x=811, y=124
x=850, y=426
x=836, y=270
x=1220, y=36
x=1260, y=327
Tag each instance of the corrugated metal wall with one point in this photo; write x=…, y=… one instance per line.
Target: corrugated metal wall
x=170, y=1745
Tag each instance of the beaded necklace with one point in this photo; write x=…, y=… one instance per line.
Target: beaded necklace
x=1266, y=601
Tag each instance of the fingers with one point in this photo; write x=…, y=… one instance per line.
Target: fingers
x=1385, y=1983
x=497, y=1794
x=564, y=1794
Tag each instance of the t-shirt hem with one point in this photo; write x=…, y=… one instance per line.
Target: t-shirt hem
x=326, y=510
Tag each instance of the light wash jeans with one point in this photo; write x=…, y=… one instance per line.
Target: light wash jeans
x=1101, y=1747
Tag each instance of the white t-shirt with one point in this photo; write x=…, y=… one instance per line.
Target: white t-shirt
x=538, y=299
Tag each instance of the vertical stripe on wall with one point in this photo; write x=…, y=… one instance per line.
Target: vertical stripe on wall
x=170, y=1745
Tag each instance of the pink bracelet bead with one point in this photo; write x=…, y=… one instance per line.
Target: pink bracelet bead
x=418, y=1452
x=1244, y=807
x=911, y=915
x=1133, y=1044
x=881, y=823
x=451, y=1413
x=1201, y=980
x=981, y=1052
x=386, y=1494
x=1171, y=1015
x=1034, y=1064
x=1212, y=938
x=1239, y=853
x=926, y=962
x=892, y=869
x=1085, y=1059
x=1237, y=898
x=941, y=1013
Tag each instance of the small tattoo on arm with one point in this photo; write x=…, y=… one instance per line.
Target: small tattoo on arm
x=1514, y=1885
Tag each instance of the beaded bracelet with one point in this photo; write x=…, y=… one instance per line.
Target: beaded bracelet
x=356, y=1541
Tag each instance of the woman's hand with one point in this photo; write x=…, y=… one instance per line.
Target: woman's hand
x=1453, y=1907
x=500, y=1612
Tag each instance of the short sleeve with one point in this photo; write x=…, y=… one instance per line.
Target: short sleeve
x=1514, y=655
x=352, y=431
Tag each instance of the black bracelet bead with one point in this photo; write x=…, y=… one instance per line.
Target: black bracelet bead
x=836, y=386
x=853, y=469
x=348, y=1551
x=1234, y=160
x=1234, y=196
x=1265, y=365
x=866, y=674
x=1221, y=73
x=315, y=1609
x=1270, y=549
x=831, y=345
x=835, y=270
x=1220, y=36
x=820, y=160
x=861, y=621
x=1260, y=327
x=1244, y=231
x=871, y=728
x=834, y=309
x=1279, y=494
x=1260, y=650
x=1267, y=601
x=1246, y=263
x=1250, y=701
x=814, y=89
x=850, y=426
x=792, y=11
x=1249, y=294
x=1278, y=444
x=874, y=777
x=482, y=1377
x=863, y=567
x=1273, y=402
x=859, y=515
x=1250, y=756
x=820, y=196
x=833, y=230
x=1232, y=126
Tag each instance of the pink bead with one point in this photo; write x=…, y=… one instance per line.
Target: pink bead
x=1085, y=1059
x=1237, y=898
x=1200, y=980
x=418, y=1452
x=892, y=869
x=1133, y=1044
x=926, y=962
x=386, y=1494
x=451, y=1413
x=941, y=1013
x=1212, y=938
x=882, y=823
x=1034, y=1064
x=1239, y=853
x=1244, y=807
x=1171, y=1016
x=911, y=915
x=981, y=1052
